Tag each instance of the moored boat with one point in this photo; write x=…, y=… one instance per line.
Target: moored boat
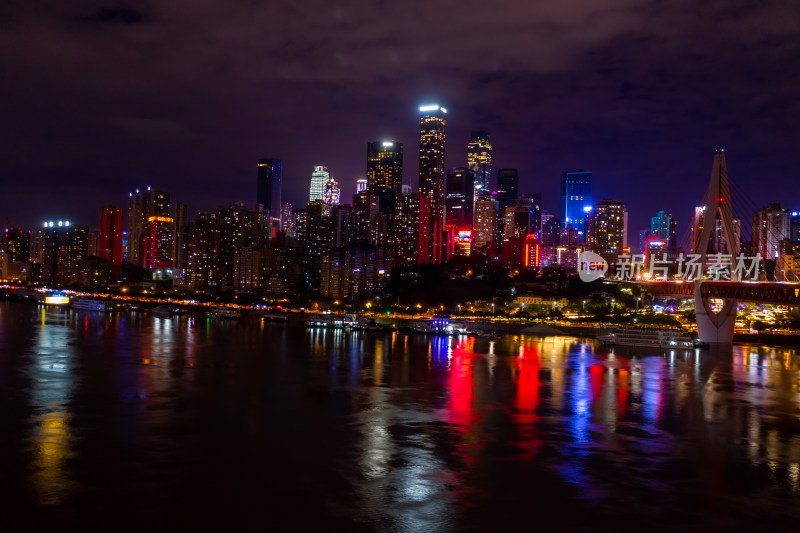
x=165, y=311
x=227, y=313
x=664, y=338
x=89, y=304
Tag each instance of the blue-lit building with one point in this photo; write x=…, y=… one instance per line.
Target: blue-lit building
x=794, y=226
x=576, y=199
x=664, y=225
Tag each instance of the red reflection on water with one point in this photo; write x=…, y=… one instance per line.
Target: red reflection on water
x=596, y=372
x=460, y=409
x=527, y=400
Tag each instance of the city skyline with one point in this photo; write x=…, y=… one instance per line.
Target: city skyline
x=97, y=109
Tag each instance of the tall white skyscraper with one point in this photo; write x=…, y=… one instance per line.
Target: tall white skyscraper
x=319, y=179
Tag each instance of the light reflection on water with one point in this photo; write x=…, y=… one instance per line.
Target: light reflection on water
x=390, y=431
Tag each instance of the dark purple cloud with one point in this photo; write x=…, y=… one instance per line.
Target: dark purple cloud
x=99, y=98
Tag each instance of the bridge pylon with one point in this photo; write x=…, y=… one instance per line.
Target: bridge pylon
x=715, y=328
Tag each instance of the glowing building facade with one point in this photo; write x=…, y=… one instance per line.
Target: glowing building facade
x=109, y=246
x=432, y=173
x=479, y=160
x=385, y=173
x=576, y=199
x=319, y=180
x=606, y=227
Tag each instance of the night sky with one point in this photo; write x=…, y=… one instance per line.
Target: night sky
x=98, y=98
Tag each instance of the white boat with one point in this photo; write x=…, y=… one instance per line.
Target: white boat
x=664, y=338
x=89, y=304
x=224, y=313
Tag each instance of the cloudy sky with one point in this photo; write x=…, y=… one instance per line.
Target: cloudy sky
x=98, y=98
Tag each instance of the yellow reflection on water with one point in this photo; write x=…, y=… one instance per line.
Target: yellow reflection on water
x=51, y=443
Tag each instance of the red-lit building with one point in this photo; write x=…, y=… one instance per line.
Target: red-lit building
x=157, y=252
x=109, y=246
x=463, y=242
x=530, y=252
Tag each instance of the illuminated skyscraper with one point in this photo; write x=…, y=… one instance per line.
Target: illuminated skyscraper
x=143, y=205
x=479, y=160
x=606, y=227
x=431, y=173
x=771, y=225
x=319, y=179
x=287, y=219
x=109, y=246
x=16, y=245
x=576, y=199
x=361, y=185
x=270, y=175
x=159, y=243
x=63, y=246
x=485, y=219
x=411, y=228
x=332, y=193
x=460, y=198
x=366, y=207
x=664, y=225
x=385, y=172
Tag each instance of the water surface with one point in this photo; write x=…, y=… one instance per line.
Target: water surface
x=133, y=423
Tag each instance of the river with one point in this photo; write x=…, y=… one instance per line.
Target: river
x=125, y=422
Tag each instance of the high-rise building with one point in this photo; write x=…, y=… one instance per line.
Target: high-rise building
x=180, y=254
x=431, y=174
x=159, y=243
x=606, y=228
x=523, y=218
x=507, y=188
x=16, y=245
x=459, y=199
x=479, y=160
x=319, y=229
x=385, y=172
x=203, y=261
x=794, y=226
x=237, y=230
x=576, y=199
x=250, y=268
x=361, y=185
x=771, y=225
x=551, y=232
x=643, y=235
x=718, y=237
x=485, y=219
x=109, y=246
x=411, y=228
x=151, y=202
x=319, y=179
x=287, y=219
x=366, y=207
x=300, y=225
x=332, y=193
x=268, y=196
x=63, y=247
x=664, y=225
